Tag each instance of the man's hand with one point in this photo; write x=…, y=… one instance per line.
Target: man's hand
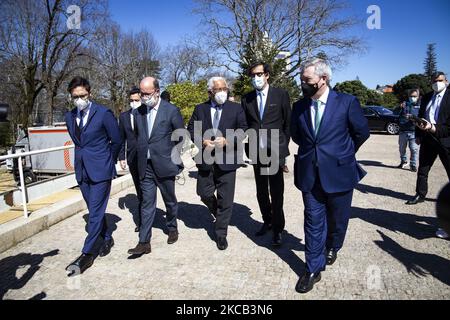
x=208, y=144
x=427, y=126
x=220, y=142
x=123, y=164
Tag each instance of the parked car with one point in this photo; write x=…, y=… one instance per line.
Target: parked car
x=381, y=119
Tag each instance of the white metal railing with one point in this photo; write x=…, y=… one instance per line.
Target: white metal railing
x=20, y=155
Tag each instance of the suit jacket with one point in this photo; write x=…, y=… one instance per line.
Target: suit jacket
x=443, y=122
x=129, y=137
x=233, y=117
x=332, y=153
x=277, y=115
x=160, y=144
x=99, y=144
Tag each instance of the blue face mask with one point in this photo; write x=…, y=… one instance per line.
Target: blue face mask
x=258, y=82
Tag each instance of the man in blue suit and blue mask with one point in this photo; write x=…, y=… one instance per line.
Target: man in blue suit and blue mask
x=158, y=161
x=95, y=134
x=329, y=128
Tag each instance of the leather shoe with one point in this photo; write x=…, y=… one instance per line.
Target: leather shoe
x=331, y=256
x=173, y=237
x=276, y=241
x=137, y=229
x=264, y=229
x=307, y=281
x=141, y=248
x=106, y=248
x=417, y=199
x=222, y=243
x=80, y=265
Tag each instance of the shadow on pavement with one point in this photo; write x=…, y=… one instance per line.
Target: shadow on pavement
x=418, y=227
x=131, y=202
x=419, y=264
x=197, y=216
x=366, y=189
x=371, y=163
x=10, y=265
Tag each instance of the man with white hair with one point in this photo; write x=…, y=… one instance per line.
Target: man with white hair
x=329, y=128
x=221, y=153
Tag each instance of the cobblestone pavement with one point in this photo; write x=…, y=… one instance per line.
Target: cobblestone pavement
x=390, y=250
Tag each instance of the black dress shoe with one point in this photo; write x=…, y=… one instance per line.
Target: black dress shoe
x=331, y=256
x=80, y=265
x=264, y=229
x=222, y=243
x=307, y=281
x=417, y=199
x=173, y=237
x=141, y=248
x=106, y=248
x=137, y=229
x=276, y=241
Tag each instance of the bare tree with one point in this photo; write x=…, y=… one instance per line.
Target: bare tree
x=185, y=62
x=304, y=28
x=40, y=46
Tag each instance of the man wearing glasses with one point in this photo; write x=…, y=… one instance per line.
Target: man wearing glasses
x=269, y=108
x=95, y=134
x=158, y=161
x=218, y=160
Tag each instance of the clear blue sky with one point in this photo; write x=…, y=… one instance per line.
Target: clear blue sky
x=398, y=49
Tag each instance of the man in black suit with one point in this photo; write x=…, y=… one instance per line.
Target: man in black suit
x=127, y=124
x=158, y=161
x=269, y=108
x=433, y=136
x=212, y=128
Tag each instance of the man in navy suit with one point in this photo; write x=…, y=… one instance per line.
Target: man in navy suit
x=220, y=153
x=158, y=161
x=329, y=128
x=95, y=133
x=127, y=125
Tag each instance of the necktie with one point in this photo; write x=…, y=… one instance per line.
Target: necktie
x=150, y=122
x=261, y=105
x=81, y=125
x=216, y=119
x=436, y=109
x=318, y=116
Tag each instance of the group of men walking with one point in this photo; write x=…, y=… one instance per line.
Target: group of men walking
x=328, y=126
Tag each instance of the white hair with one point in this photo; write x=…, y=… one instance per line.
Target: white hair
x=322, y=67
x=215, y=79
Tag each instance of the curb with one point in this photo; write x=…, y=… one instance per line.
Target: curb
x=20, y=229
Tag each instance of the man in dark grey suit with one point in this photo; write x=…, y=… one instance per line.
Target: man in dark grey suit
x=158, y=161
x=207, y=128
x=127, y=155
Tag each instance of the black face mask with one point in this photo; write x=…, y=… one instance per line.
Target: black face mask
x=309, y=90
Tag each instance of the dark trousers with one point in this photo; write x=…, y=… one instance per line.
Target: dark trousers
x=272, y=211
x=326, y=221
x=429, y=151
x=137, y=184
x=149, y=186
x=224, y=182
x=96, y=196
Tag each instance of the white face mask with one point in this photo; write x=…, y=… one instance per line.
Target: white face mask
x=258, y=82
x=439, y=86
x=221, y=97
x=413, y=99
x=135, y=104
x=150, y=102
x=81, y=104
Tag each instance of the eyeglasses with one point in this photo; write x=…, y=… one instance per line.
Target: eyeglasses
x=84, y=96
x=220, y=90
x=146, y=94
x=257, y=74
